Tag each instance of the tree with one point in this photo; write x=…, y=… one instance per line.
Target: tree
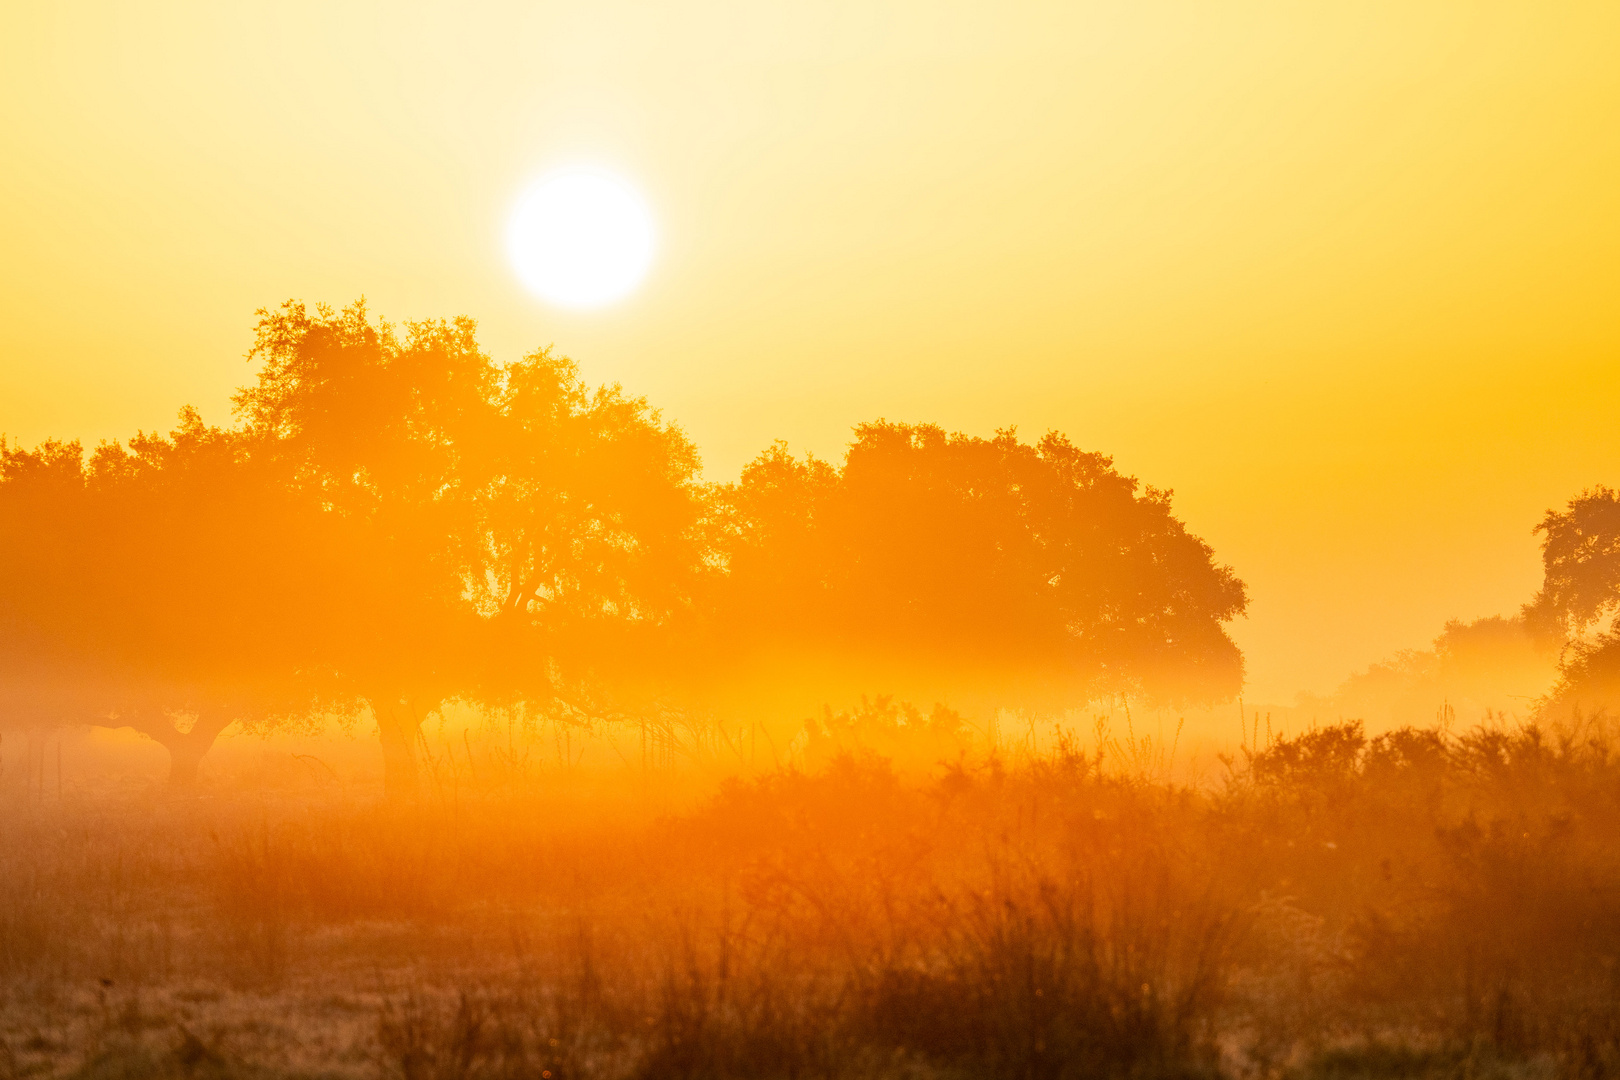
x=157, y=586
x=593, y=505
x=591, y=532
x=514, y=531
x=984, y=570
x=1588, y=682
x=1580, y=558
x=221, y=575
x=45, y=541
x=398, y=521
x=388, y=433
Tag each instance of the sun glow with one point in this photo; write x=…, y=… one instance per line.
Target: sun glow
x=581, y=238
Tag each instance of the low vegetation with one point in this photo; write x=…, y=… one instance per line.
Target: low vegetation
x=1421, y=903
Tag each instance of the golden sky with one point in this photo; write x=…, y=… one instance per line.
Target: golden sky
x=1345, y=276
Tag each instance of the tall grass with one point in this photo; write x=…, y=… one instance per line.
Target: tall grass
x=1420, y=903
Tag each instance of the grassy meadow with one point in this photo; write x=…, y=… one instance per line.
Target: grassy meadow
x=1421, y=903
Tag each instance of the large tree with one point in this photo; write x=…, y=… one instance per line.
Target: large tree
x=47, y=543
x=386, y=429
x=399, y=521
x=396, y=522
x=514, y=528
x=989, y=571
x=592, y=537
x=159, y=586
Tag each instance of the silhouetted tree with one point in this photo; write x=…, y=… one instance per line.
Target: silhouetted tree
x=157, y=587
x=592, y=508
x=46, y=541
x=1588, y=681
x=400, y=522
x=1580, y=558
x=969, y=568
x=510, y=522
x=386, y=430
x=228, y=574
x=591, y=532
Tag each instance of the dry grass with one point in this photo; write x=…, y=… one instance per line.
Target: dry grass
x=1414, y=905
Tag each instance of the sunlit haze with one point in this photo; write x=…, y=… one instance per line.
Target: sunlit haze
x=1343, y=277
x=761, y=540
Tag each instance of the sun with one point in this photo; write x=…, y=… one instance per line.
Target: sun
x=581, y=238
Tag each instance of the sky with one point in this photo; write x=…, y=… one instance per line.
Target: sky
x=1345, y=277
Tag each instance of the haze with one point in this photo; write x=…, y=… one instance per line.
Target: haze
x=1344, y=279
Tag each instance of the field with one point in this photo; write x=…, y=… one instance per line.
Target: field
x=1423, y=903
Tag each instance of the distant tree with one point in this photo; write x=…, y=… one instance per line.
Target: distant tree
x=1588, y=681
x=1493, y=665
x=969, y=568
x=1546, y=660
x=1580, y=557
x=1579, y=597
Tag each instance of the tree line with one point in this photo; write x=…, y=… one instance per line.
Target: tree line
x=394, y=521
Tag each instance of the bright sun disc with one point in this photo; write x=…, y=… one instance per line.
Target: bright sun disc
x=581, y=238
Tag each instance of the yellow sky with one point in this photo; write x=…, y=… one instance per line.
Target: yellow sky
x=1346, y=276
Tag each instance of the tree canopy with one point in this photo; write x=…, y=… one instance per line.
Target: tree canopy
x=1032, y=574
x=396, y=521
x=1579, y=596
x=169, y=579
x=506, y=517
x=1580, y=557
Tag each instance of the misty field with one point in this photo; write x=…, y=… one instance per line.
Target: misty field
x=835, y=541
x=1421, y=903
x=494, y=571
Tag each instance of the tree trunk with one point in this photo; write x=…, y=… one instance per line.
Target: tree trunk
x=398, y=726
x=186, y=749
x=184, y=757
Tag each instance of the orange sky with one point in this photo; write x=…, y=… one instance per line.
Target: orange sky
x=1347, y=277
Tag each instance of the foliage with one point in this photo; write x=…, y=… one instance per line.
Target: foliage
x=157, y=581
x=969, y=569
x=397, y=522
x=1580, y=553
x=1588, y=681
